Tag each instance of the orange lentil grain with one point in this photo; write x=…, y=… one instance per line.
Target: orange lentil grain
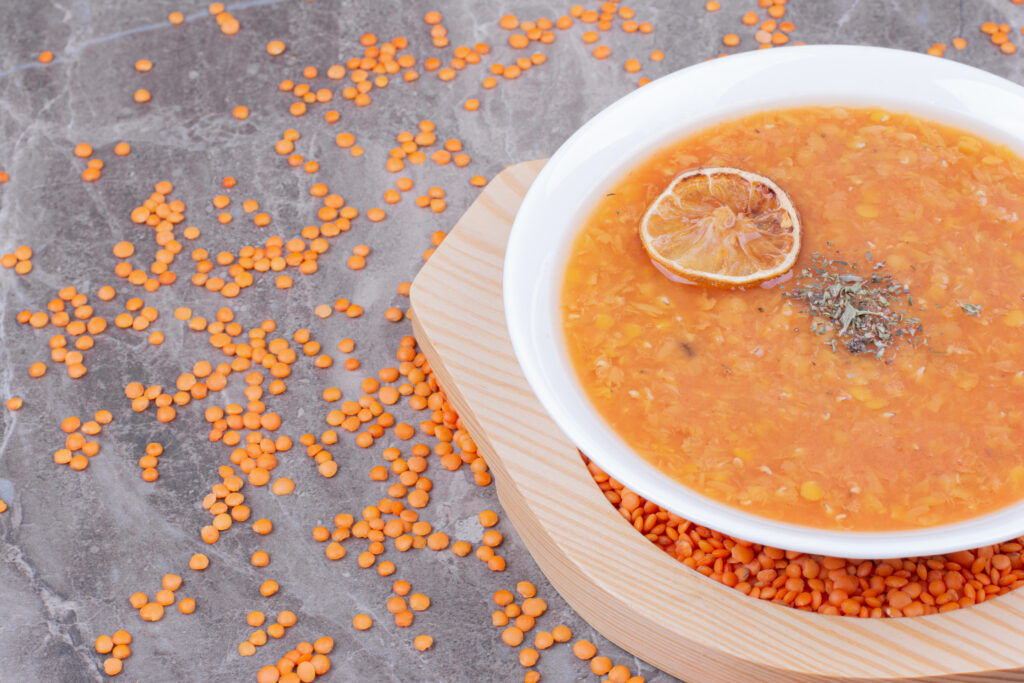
x=584, y=649
x=600, y=665
x=487, y=518
x=512, y=636
x=152, y=611
x=528, y=656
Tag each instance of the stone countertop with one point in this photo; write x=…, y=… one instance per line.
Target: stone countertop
x=75, y=545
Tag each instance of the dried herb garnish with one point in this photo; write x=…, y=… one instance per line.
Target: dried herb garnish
x=861, y=312
x=970, y=309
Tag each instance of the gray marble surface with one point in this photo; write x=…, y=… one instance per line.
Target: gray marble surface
x=75, y=545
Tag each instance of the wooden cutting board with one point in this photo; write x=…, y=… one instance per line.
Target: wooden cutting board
x=629, y=590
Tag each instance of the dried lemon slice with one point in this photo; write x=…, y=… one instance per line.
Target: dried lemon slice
x=722, y=227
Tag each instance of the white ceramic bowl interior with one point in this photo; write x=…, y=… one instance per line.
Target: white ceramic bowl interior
x=665, y=110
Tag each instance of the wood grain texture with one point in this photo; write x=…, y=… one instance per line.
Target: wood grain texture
x=630, y=591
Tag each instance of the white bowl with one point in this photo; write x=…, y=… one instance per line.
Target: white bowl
x=665, y=110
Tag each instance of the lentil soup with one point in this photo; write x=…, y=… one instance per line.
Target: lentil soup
x=746, y=397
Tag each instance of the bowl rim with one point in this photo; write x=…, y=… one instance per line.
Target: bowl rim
x=528, y=272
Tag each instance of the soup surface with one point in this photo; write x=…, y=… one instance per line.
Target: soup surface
x=749, y=398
